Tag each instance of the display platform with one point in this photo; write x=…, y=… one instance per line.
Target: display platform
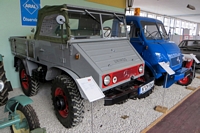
x=182, y=118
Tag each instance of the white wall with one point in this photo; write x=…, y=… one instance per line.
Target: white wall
x=10, y=25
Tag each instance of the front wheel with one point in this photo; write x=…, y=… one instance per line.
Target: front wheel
x=186, y=80
x=67, y=101
x=28, y=119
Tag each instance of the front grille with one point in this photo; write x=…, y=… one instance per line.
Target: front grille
x=176, y=61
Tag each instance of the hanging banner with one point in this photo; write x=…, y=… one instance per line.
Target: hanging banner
x=29, y=12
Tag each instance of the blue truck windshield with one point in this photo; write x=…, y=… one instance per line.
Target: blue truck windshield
x=154, y=30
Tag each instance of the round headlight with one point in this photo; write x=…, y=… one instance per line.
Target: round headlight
x=1, y=85
x=106, y=80
x=140, y=69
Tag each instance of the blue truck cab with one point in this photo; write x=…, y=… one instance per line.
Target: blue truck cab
x=150, y=39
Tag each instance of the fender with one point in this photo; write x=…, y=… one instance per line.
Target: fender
x=147, y=64
x=57, y=70
x=17, y=61
x=21, y=99
x=29, y=65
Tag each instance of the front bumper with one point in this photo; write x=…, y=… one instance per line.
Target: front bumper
x=130, y=90
x=180, y=74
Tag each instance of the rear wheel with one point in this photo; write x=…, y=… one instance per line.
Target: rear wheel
x=4, y=92
x=28, y=117
x=29, y=85
x=67, y=101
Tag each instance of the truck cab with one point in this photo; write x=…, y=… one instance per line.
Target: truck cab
x=150, y=39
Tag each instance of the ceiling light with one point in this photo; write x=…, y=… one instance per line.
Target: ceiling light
x=190, y=7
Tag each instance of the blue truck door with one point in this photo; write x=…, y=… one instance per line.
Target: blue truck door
x=135, y=38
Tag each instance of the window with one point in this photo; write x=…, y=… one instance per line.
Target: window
x=151, y=15
x=133, y=31
x=178, y=27
x=150, y=30
x=143, y=14
x=172, y=25
x=50, y=26
x=162, y=31
x=160, y=18
x=83, y=25
x=113, y=26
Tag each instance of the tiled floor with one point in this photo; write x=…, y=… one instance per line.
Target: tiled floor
x=106, y=119
x=183, y=119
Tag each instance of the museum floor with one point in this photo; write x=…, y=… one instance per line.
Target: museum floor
x=133, y=116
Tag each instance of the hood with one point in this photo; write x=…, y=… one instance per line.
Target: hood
x=166, y=51
x=170, y=47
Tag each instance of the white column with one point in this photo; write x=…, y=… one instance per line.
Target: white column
x=198, y=29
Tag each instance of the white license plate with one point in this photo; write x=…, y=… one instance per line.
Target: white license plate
x=146, y=87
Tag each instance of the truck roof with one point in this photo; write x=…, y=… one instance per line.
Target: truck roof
x=63, y=10
x=140, y=18
x=56, y=8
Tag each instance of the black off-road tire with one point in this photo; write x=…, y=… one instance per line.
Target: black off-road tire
x=32, y=87
x=30, y=115
x=64, y=88
x=160, y=81
x=4, y=93
x=122, y=102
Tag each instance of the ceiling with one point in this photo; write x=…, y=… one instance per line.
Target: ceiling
x=174, y=8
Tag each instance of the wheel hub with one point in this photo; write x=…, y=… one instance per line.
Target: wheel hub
x=60, y=102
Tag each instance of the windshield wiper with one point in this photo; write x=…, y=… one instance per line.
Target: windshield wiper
x=93, y=17
x=117, y=17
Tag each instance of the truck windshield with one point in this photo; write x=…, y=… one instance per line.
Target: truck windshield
x=87, y=24
x=154, y=31
x=84, y=25
x=113, y=26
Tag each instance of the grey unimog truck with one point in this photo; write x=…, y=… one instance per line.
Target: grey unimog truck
x=71, y=43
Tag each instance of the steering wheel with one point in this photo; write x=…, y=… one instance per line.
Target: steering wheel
x=107, y=32
x=151, y=34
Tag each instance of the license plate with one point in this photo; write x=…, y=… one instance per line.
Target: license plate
x=146, y=87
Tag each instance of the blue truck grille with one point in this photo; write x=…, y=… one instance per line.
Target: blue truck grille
x=175, y=61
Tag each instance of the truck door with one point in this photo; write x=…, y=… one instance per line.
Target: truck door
x=135, y=38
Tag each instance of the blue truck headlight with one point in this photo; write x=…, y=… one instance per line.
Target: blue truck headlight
x=168, y=63
x=106, y=80
x=1, y=85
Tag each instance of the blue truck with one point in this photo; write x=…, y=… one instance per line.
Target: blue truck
x=150, y=39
